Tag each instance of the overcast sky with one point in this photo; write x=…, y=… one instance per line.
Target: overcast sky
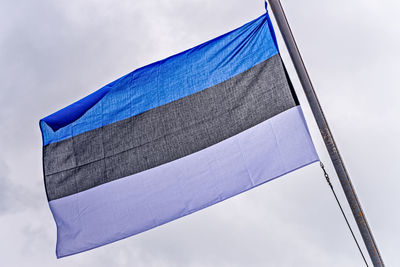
x=52, y=53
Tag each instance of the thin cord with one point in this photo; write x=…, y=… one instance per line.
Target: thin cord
x=341, y=209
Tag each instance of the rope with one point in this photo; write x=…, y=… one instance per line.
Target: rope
x=341, y=209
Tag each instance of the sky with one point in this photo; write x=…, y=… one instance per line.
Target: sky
x=53, y=53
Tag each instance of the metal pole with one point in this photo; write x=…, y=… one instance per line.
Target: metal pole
x=326, y=133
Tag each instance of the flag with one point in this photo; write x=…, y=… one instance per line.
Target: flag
x=171, y=138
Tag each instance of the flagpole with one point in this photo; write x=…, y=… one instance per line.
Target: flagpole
x=330, y=144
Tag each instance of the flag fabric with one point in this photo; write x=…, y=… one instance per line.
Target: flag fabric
x=172, y=138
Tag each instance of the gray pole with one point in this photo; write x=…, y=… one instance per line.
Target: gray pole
x=326, y=133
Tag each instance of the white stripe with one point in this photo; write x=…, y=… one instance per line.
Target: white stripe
x=136, y=203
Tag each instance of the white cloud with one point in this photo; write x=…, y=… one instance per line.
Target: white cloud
x=53, y=53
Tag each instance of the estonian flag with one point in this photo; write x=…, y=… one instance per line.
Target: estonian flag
x=172, y=138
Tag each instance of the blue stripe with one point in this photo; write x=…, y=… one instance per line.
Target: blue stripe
x=165, y=81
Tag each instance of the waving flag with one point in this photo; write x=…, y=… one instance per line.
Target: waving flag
x=172, y=138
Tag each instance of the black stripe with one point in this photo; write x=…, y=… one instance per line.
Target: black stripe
x=167, y=132
x=296, y=99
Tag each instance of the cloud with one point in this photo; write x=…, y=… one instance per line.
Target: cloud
x=14, y=197
x=54, y=53
x=5, y=189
